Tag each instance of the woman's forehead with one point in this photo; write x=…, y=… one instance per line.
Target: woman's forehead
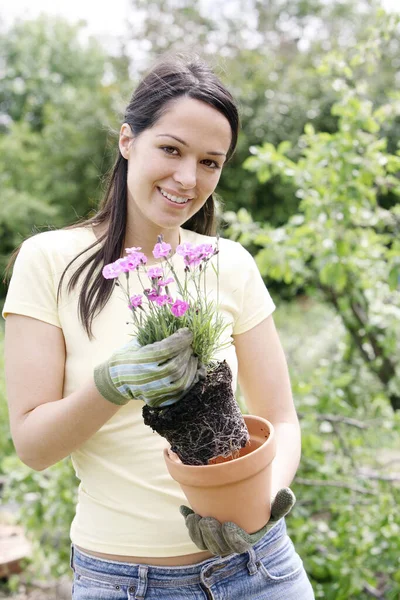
x=194, y=121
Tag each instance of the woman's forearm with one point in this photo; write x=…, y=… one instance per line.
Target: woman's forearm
x=288, y=452
x=51, y=431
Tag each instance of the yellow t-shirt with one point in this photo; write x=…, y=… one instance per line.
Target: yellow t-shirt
x=127, y=502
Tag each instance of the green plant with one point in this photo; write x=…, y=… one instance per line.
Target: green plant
x=46, y=502
x=6, y=445
x=162, y=315
x=342, y=245
x=345, y=524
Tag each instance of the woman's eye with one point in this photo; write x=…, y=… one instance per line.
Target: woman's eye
x=172, y=151
x=169, y=149
x=211, y=163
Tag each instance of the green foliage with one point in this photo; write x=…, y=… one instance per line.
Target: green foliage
x=58, y=98
x=345, y=523
x=267, y=53
x=46, y=503
x=201, y=318
x=342, y=243
x=6, y=445
x=347, y=516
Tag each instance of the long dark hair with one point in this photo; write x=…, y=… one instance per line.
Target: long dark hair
x=171, y=78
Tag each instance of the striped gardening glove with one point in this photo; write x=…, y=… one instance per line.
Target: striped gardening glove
x=222, y=539
x=159, y=374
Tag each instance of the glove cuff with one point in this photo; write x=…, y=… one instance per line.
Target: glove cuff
x=106, y=387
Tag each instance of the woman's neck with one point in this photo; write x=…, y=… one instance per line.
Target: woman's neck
x=144, y=240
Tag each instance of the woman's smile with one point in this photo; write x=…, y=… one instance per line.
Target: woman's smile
x=174, y=198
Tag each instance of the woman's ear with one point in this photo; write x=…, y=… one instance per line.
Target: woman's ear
x=125, y=140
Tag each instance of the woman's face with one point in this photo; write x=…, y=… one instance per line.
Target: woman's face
x=174, y=166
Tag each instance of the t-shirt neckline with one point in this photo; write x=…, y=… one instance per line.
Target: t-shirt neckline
x=182, y=238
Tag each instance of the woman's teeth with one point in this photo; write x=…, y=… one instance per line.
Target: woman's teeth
x=176, y=199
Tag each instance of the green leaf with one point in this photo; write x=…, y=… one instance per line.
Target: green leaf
x=334, y=275
x=394, y=278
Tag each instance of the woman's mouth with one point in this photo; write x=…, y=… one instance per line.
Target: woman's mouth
x=176, y=200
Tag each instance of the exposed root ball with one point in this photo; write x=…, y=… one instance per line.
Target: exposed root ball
x=205, y=423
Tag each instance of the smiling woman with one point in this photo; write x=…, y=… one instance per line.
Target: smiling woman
x=167, y=185
x=129, y=538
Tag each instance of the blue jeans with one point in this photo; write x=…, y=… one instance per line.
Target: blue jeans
x=271, y=570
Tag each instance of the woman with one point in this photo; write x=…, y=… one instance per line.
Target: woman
x=64, y=322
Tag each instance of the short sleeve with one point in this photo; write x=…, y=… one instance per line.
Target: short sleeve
x=256, y=303
x=33, y=291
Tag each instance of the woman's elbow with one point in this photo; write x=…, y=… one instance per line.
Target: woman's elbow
x=28, y=457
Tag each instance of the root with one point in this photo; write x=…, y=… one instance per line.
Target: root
x=205, y=423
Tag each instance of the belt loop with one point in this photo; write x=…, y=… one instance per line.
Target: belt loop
x=251, y=565
x=142, y=583
x=71, y=559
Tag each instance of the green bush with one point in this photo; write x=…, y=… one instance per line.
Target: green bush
x=342, y=245
x=345, y=524
x=46, y=502
x=6, y=445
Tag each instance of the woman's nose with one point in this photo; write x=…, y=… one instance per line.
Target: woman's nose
x=186, y=174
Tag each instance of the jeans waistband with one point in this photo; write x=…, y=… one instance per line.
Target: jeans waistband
x=128, y=574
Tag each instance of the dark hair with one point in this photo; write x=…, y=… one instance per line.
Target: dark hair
x=169, y=79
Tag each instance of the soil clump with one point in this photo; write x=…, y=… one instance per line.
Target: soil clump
x=205, y=423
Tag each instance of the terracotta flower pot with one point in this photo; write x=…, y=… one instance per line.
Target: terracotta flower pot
x=237, y=490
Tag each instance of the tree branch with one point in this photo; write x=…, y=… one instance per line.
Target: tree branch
x=339, y=484
x=375, y=476
x=368, y=589
x=339, y=419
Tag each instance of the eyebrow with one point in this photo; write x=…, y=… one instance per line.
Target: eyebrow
x=186, y=144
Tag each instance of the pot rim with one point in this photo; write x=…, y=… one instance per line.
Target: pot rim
x=222, y=466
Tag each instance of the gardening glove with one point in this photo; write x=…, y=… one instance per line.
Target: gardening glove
x=227, y=538
x=159, y=373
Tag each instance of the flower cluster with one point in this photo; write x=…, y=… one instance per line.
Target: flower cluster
x=162, y=314
x=128, y=263
x=195, y=255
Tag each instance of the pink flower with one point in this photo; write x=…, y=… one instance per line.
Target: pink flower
x=132, y=250
x=179, y=308
x=138, y=257
x=111, y=271
x=166, y=282
x=151, y=295
x=184, y=249
x=206, y=250
x=194, y=255
x=127, y=263
x=135, y=301
x=130, y=262
x=155, y=272
x=162, y=250
x=122, y=265
x=192, y=261
x=162, y=300
x=133, y=259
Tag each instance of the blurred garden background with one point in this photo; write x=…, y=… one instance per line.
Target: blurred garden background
x=312, y=191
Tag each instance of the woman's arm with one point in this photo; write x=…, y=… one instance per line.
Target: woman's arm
x=46, y=427
x=264, y=380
